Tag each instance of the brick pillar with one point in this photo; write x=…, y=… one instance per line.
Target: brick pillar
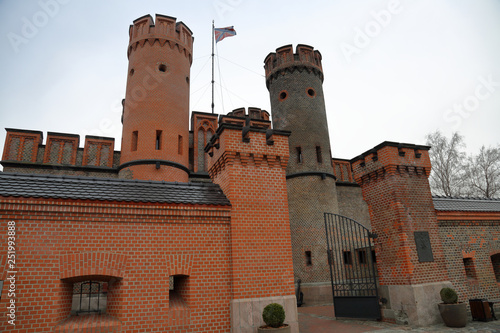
x=249, y=162
x=410, y=259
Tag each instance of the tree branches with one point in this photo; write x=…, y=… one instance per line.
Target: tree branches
x=456, y=174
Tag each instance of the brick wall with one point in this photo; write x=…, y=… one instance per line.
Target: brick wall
x=351, y=203
x=394, y=180
x=252, y=176
x=471, y=243
x=135, y=247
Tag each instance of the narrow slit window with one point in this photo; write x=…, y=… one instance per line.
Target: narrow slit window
x=299, y=155
x=135, y=137
x=318, y=154
x=179, y=147
x=495, y=262
x=362, y=257
x=308, y=258
x=158, y=140
x=330, y=257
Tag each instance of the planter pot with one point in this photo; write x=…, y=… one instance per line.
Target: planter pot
x=265, y=329
x=454, y=315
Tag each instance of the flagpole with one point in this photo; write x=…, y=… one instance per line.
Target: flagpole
x=213, y=38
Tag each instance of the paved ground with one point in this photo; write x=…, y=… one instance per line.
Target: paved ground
x=320, y=319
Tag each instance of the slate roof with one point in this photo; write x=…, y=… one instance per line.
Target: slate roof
x=86, y=188
x=466, y=204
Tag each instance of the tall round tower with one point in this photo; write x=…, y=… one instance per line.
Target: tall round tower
x=295, y=84
x=155, y=138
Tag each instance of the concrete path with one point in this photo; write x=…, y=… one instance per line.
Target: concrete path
x=320, y=319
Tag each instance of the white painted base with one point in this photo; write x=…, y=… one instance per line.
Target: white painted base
x=246, y=314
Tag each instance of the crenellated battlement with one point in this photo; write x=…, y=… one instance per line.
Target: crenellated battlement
x=24, y=151
x=247, y=139
x=284, y=59
x=391, y=158
x=166, y=30
x=255, y=117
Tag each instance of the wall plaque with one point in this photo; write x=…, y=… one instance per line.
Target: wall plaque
x=423, y=243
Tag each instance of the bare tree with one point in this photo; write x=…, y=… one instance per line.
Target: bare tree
x=448, y=176
x=483, y=173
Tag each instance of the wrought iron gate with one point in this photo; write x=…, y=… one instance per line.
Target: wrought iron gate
x=352, y=268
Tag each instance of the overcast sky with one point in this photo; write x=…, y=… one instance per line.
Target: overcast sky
x=394, y=70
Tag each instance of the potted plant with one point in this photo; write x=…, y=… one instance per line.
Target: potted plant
x=274, y=316
x=454, y=314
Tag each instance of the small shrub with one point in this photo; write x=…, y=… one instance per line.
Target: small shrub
x=273, y=315
x=448, y=296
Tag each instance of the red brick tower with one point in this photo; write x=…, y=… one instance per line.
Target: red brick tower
x=410, y=258
x=248, y=161
x=156, y=108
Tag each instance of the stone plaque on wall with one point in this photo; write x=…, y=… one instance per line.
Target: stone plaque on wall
x=423, y=243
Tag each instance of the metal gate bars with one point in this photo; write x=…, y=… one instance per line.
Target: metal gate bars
x=352, y=268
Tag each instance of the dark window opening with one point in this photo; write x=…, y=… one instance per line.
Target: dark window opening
x=158, y=140
x=308, y=258
x=135, y=138
x=330, y=257
x=178, y=291
x=283, y=95
x=362, y=257
x=89, y=297
x=374, y=257
x=179, y=147
x=162, y=68
x=311, y=92
x=495, y=262
x=470, y=269
x=299, y=155
x=347, y=257
x=318, y=154
x=132, y=72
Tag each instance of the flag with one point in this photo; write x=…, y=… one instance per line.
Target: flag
x=221, y=33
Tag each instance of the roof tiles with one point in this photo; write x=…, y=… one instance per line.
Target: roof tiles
x=466, y=204
x=85, y=188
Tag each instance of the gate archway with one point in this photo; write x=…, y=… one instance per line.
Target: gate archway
x=353, y=273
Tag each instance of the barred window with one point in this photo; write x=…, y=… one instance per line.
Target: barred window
x=89, y=297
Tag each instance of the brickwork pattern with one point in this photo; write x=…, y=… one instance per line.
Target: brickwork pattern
x=395, y=186
x=61, y=148
x=474, y=237
x=352, y=205
x=97, y=152
x=308, y=199
x=252, y=176
x=203, y=126
x=342, y=170
x=157, y=98
x=135, y=248
x=21, y=145
x=92, y=263
x=295, y=83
